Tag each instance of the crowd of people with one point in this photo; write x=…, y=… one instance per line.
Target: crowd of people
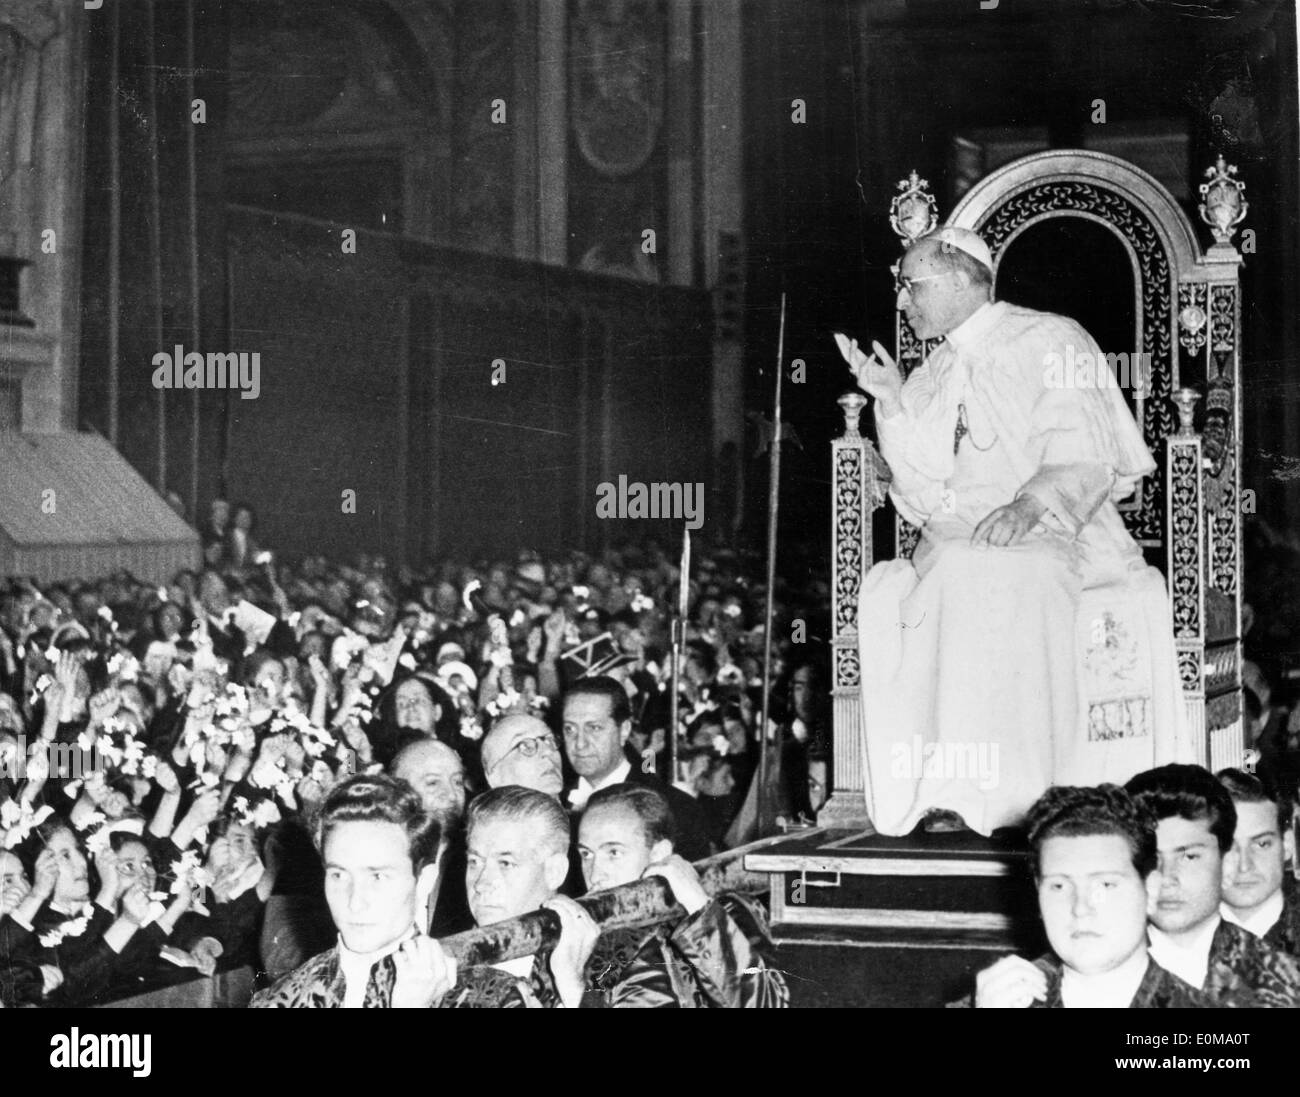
x=183, y=764
x=316, y=772
x=1171, y=892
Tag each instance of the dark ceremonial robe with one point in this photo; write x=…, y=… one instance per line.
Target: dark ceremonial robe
x=1285, y=934
x=491, y=988
x=1159, y=989
x=1245, y=972
x=320, y=984
x=715, y=958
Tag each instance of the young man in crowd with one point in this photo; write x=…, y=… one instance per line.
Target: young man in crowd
x=715, y=956
x=1093, y=855
x=376, y=840
x=1259, y=894
x=1195, y=825
x=597, y=724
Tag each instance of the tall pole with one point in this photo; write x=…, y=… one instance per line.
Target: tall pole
x=773, y=499
x=678, y=641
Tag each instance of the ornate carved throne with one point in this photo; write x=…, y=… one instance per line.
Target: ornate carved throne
x=1185, y=313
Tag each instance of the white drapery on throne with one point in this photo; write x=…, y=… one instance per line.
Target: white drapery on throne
x=1188, y=330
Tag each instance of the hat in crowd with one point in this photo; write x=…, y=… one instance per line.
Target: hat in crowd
x=969, y=242
x=598, y=655
x=448, y=652
x=531, y=572
x=453, y=667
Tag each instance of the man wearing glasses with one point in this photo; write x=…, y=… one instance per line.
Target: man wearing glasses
x=520, y=750
x=1027, y=627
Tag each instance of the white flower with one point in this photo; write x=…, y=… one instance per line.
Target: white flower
x=91, y=820
x=18, y=821
x=157, y=905
x=189, y=873
x=124, y=666
x=97, y=842
x=266, y=813
x=470, y=728
x=72, y=927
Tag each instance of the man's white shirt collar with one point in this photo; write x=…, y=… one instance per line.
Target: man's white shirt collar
x=1262, y=920
x=356, y=968
x=1110, y=990
x=1190, y=961
x=582, y=791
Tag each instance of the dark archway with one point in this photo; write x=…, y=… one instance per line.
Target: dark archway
x=1080, y=269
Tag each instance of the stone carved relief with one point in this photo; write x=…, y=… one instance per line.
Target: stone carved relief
x=1185, y=531
x=483, y=198
x=24, y=32
x=617, y=62
x=849, y=518
x=297, y=65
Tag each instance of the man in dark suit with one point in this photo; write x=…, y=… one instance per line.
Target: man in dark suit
x=597, y=723
x=436, y=772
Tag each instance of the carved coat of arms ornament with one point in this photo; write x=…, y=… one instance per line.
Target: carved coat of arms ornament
x=617, y=82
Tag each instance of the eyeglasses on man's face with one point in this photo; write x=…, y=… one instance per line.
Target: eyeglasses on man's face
x=531, y=746
x=902, y=282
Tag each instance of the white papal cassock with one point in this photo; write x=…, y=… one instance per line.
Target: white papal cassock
x=989, y=674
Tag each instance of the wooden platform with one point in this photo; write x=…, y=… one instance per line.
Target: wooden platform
x=857, y=888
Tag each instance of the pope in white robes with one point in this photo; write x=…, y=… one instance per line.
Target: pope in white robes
x=1026, y=643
